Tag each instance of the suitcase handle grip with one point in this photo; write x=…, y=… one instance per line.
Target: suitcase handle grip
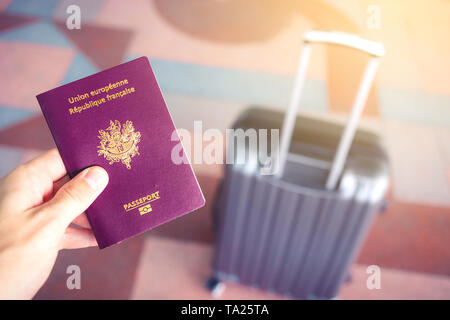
x=352, y=41
x=345, y=39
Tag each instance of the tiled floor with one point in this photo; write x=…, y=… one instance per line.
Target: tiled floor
x=173, y=261
x=191, y=269
x=211, y=68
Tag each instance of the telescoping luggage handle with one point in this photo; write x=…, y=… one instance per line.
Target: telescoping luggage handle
x=376, y=50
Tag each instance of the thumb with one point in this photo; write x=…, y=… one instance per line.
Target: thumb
x=76, y=196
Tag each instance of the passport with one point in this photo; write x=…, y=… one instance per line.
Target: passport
x=117, y=119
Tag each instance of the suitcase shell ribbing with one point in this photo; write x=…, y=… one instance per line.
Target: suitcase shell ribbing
x=290, y=235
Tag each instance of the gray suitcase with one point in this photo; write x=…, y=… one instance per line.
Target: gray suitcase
x=297, y=232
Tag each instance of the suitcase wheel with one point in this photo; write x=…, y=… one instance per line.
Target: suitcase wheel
x=215, y=286
x=383, y=206
x=348, y=278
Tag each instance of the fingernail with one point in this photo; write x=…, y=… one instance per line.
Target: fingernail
x=96, y=178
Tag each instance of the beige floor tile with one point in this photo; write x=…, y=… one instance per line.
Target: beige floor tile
x=419, y=165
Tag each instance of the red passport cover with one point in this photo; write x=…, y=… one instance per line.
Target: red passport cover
x=117, y=119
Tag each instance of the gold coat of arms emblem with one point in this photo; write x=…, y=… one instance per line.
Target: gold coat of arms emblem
x=119, y=143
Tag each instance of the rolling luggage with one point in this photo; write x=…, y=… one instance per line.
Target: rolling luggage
x=297, y=232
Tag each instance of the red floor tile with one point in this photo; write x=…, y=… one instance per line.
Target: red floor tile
x=29, y=134
x=396, y=284
x=410, y=237
x=105, y=46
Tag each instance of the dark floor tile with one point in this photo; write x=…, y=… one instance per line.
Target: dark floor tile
x=195, y=226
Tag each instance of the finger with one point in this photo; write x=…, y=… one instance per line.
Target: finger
x=82, y=221
x=76, y=195
x=57, y=185
x=30, y=183
x=49, y=164
x=75, y=238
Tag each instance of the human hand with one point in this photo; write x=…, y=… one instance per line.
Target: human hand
x=36, y=210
